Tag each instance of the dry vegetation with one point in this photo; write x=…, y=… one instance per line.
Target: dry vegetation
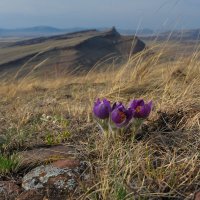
x=162, y=163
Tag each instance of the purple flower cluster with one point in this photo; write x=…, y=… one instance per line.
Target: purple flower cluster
x=119, y=114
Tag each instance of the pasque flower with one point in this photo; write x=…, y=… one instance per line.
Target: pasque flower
x=102, y=109
x=140, y=109
x=120, y=115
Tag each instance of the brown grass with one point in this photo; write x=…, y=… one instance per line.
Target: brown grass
x=164, y=164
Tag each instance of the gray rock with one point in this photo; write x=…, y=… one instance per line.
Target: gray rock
x=39, y=177
x=55, y=181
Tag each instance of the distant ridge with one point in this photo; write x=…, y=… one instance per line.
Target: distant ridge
x=178, y=35
x=82, y=49
x=140, y=32
x=48, y=31
x=35, y=31
x=44, y=31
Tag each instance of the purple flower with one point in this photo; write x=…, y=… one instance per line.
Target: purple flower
x=140, y=109
x=102, y=109
x=120, y=115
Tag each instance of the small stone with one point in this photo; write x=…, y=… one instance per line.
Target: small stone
x=9, y=190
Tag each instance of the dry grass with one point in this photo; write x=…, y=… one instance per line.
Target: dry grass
x=164, y=164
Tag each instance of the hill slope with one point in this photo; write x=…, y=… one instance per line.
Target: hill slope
x=68, y=51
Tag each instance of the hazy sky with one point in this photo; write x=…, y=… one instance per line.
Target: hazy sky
x=129, y=14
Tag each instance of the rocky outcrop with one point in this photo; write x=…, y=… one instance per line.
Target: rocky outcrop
x=107, y=47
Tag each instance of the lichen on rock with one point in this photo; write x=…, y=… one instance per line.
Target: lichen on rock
x=39, y=177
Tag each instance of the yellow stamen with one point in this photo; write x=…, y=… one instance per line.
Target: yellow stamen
x=122, y=116
x=138, y=109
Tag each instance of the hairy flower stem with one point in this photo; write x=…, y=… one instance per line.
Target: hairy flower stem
x=136, y=126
